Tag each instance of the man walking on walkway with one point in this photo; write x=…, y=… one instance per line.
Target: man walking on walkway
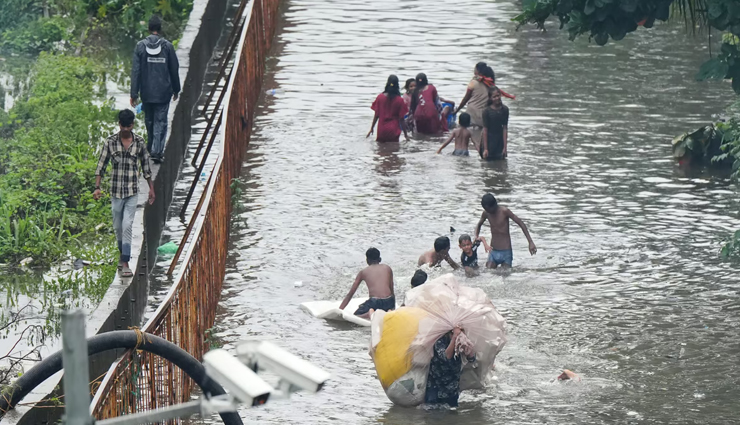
x=125, y=150
x=154, y=74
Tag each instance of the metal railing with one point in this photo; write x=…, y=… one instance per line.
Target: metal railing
x=140, y=381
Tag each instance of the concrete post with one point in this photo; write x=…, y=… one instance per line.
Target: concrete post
x=76, y=372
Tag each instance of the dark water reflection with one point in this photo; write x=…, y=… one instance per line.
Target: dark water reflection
x=626, y=288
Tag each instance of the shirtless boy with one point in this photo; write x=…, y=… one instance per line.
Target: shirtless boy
x=440, y=252
x=498, y=218
x=462, y=137
x=379, y=280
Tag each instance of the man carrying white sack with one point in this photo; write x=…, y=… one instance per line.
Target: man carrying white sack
x=444, y=341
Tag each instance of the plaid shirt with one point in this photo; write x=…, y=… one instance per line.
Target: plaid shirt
x=124, y=181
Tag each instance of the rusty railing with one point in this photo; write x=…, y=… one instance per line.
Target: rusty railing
x=141, y=381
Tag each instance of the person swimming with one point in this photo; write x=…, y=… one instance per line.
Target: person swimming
x=379, y=280
x=440, y=252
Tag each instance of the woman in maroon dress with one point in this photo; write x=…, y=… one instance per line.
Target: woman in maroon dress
x=424, y=107
x=389, y=110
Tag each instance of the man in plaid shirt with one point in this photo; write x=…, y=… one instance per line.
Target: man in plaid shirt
x=124, y=150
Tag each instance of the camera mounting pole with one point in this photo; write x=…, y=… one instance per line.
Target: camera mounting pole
x=76, y=369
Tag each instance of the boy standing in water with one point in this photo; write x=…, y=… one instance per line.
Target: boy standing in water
x=440, y=252
x=379, y=280
x=498, y=218
x=462, y=137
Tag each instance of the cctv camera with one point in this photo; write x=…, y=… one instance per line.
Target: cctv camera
x=292, y=369
x=240, y=381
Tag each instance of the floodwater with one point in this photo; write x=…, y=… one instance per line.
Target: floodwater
x=627, y=288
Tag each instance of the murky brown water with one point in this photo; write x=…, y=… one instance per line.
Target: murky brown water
x=626, y=289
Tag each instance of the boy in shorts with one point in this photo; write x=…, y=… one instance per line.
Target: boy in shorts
x=379, y=280
x=462, y=137
x=498, y=217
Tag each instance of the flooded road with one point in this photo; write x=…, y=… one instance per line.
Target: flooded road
x=626, y=289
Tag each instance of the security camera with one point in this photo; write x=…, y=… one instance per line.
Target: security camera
x=291, y=369
x=240, y=381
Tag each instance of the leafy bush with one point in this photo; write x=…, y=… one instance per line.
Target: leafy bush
x=48, y=164
x=32, y=26
x=35, y=36
x=614, y=19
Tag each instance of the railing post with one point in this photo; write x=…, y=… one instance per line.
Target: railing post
x=76, y=369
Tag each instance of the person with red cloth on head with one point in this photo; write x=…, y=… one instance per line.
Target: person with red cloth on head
x=476, y=98
x=389, y=110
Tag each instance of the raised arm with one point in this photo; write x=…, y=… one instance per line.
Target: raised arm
x=520, y=223
x=482, y=220
x=444, y=145
x=352, y=291
x=485, y=244
x=466, y=98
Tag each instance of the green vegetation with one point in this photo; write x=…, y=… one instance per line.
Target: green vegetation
x=603, y=20
x=48, y=158
x=32, y=26
x=50, y=138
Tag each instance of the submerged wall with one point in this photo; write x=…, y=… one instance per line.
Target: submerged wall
x=125, y=301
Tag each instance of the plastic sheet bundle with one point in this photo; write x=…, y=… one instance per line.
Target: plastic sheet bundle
x=403, y=340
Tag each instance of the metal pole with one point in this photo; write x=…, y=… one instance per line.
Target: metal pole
x=76, y=369
x=200, y=168
x=182, y=410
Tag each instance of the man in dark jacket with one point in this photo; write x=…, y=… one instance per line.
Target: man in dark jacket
x=154, y=74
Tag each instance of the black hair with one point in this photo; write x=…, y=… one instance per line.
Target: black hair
x=155, y=24
x=488, y=201
x=481, y=68
x=126, y=117
x=408, y=83
x=490, y=74
x=464, y=119
x=492, y=90
x=464, y=238
x=419, y=278
x=441, y=243
x=391, y=87
x=421, y=82
x=373, y=256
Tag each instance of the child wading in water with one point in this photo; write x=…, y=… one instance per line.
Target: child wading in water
x=498, y=217
x=441, y=252
x=462, y=137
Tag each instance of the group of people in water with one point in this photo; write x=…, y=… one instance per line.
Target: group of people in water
x=420, y=109
x=484, y=125
x=445, y=368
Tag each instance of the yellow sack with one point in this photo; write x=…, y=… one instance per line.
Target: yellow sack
x=392, y=355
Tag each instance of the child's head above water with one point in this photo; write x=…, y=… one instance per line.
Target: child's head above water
x=466, y=244
x=419, y=278
x=489, y=202
x=464, y=120
x=410, y=85
x=442, y=245
x=373, y=256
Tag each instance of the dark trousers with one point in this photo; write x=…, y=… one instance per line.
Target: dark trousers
x=155, y=119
